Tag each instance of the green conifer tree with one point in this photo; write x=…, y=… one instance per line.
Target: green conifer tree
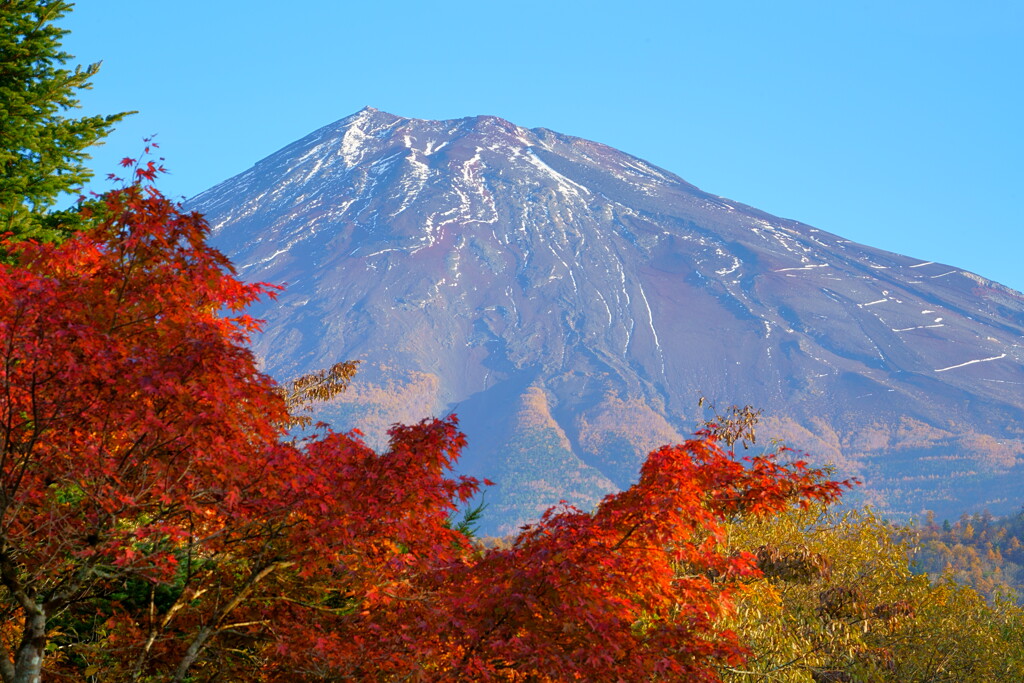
x=42, y=152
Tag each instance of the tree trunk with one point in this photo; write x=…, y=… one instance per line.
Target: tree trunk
x=28, y=661
x=192, y=653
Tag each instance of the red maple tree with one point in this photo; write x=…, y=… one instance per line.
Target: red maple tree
x=147, y=481
x=132, y=418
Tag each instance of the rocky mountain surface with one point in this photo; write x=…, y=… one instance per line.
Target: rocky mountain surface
x=572, y=302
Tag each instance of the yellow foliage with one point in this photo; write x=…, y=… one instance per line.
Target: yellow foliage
x=838, y=602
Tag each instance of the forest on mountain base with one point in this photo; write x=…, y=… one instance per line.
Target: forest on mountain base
x=169, y=513
x=979, y=550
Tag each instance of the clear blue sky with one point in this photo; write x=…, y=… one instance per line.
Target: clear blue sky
x=894, y=123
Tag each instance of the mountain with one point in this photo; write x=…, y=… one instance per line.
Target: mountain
x=572, y=302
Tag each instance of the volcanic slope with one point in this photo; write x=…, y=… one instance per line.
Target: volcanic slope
x=571, y=303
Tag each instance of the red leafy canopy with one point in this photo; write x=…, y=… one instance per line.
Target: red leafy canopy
x=128, y=403
x=631, y=592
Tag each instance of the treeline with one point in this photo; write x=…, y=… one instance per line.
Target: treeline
x=979, y=550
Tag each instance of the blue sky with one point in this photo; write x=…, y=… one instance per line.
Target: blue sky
x=895, y=123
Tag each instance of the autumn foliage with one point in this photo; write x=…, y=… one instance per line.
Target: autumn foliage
x=158, y=522
x=633, y=591
x=577, y=596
